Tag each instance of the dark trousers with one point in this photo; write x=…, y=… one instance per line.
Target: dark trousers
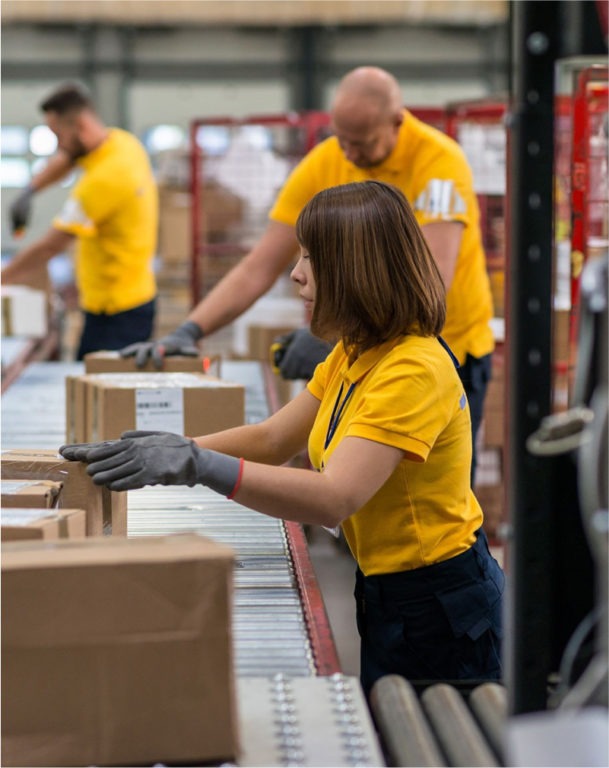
x=475, y=374
x=111, y=332
x=440, y=622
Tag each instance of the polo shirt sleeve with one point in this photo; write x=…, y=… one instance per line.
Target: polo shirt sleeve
x=406, y=406
x=94, y=198
x=444, y=189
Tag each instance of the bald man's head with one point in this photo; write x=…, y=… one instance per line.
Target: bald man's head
x=366, y=115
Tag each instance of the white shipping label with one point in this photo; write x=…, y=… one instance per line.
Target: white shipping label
x=160, y=409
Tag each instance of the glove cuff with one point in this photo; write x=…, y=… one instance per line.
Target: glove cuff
x=191, y=329
x=218, y=471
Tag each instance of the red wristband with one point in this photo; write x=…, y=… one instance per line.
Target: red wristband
x=238, y=483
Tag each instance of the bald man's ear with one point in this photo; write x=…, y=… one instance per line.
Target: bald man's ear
x=398, y=118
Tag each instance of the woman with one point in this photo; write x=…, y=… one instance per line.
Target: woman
x=388, y=430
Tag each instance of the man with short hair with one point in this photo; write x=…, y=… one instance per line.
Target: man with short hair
x=374, y=138
x=112, y=213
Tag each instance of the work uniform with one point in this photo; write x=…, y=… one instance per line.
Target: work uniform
x=113, y=211
x=432, y=171
x=428, y=591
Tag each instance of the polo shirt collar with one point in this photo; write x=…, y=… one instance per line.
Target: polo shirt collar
x=396, y=162
x=93, y=157
x=367, y=361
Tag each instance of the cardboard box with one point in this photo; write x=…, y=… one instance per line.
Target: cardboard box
x=492, y=500
x=112, y=362
x=107, y=404
x=117, y=652
x=262, y=336
x=20, y=524
x=106, y=510
x=220, y=212
x=37, y=494
x=24, y=311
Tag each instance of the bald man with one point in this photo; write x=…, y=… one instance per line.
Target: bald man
x=374, y=137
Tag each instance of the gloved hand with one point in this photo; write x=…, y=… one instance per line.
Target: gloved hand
x=299, y=353
x=182, y=341
x=19, y=210
x=142, y=458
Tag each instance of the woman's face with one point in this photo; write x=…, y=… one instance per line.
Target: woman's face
x=302, y=274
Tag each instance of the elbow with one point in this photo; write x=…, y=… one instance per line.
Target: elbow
x=334, y=514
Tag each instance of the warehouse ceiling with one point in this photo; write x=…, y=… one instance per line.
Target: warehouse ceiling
x=256, y=12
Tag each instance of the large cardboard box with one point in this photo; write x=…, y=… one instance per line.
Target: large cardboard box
x=37, y=494
x=106, y=510
x=112, y=362
x=18, y=524
x=117, y=652
x=103, y=406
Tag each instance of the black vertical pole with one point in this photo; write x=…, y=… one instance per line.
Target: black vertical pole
x=535, y=41
x=550, y=575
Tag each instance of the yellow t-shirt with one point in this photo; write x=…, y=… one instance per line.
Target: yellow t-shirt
x=408, y=395
x=113, y=211
x=434, y=175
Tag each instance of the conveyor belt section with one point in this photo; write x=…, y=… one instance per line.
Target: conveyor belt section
x=319, y=721
x=441, y=724
x=270, y=630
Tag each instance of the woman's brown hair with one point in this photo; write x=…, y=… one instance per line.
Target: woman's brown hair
x=375, y=276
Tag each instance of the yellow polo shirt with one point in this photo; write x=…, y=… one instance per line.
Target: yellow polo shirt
x=432, y=171
x=113, y=211
x=408, y=395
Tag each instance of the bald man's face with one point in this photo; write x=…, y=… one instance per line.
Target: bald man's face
x=366, y=139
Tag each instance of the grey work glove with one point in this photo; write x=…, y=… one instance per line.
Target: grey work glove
x=20, y=209
x=299, y=354
x=182, y=341
x=142, y=458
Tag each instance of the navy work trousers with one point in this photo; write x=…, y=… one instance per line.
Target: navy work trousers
x=439, y=622
x=114, y=332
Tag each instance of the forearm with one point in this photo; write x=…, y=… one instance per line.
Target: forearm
x=35, y=255
x=58, y=166
x=248, y=280
x=298, y=495
x=250, y=442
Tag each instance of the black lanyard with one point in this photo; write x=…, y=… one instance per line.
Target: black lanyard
x=337, y=412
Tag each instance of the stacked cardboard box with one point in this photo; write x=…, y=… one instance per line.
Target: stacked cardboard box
x=24, y=311
x=38, y=494
x=20, y=523
x=117, y=652
x=106, y=511
x=103, y=406
x=112, y=362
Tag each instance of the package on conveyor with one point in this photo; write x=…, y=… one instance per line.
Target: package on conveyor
x=106, y=511
x=117, y=652
x=24, y=311
x=101, y=406
x=19, y=523
x=112, y=362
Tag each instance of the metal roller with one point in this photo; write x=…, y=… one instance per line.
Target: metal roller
x=489, y=704
x=455, y=727
x=406, y=733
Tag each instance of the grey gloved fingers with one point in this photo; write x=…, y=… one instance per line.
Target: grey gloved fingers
x=128, y=483
x=143, y=353
x=80, y=451
x=157, y=353
x=20, y=209
x=130, y=433
x=302, y=355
